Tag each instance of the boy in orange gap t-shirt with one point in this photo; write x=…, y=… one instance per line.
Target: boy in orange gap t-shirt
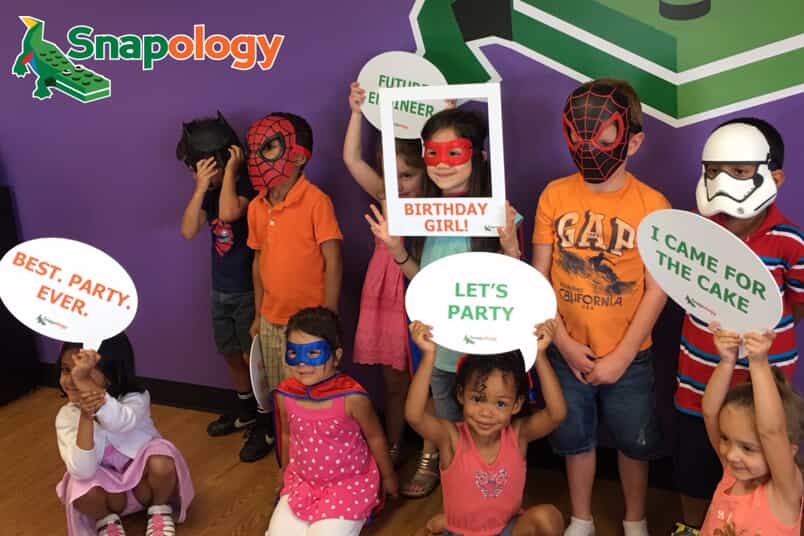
x=297, y=241
x=585, y=244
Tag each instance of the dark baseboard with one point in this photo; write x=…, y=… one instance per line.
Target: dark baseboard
x=169, y=393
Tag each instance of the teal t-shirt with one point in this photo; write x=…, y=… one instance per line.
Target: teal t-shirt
x=438, y=247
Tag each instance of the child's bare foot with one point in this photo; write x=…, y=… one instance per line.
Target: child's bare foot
x=437, y=524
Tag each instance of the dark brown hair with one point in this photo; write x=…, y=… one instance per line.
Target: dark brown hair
x=473, y=126
x=319, y=322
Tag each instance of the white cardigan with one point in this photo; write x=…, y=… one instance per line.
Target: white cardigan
x=125, y=423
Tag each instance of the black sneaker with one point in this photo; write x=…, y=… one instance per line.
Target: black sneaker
x=228, y=423
x=258, y=445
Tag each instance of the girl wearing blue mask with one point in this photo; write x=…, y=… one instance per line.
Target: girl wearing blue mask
x=333, y=454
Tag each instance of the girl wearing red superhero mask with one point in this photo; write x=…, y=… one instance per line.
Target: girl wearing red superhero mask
x=457, y=165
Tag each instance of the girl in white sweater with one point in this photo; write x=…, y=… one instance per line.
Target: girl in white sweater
x=117, y=463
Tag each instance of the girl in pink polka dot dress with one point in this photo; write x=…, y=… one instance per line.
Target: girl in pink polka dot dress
x=334, y=456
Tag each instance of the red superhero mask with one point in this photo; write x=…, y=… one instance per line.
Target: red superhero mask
x=587, y=115
x=267, y=172
x=452, y=153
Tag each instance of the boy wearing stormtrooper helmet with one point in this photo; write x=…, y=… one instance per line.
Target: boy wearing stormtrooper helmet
x=741, y=173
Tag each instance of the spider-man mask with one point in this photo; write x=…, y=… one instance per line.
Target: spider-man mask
x=588, y=114
x=272, y=152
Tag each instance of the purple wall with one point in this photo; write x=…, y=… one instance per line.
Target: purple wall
x=105, y=173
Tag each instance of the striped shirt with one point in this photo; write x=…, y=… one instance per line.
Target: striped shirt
x=780, y=245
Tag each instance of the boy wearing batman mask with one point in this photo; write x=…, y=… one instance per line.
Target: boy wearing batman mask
x=212, y=152
x=741, y=172
x=585, y=244
x=295, y=236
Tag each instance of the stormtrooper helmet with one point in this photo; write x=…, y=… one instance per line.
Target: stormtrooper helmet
x=743, y=185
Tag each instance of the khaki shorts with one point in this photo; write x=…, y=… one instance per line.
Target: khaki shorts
x=272, y=344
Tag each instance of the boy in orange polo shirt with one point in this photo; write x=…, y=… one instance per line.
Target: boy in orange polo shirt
x=296, y=240
x=585, y=243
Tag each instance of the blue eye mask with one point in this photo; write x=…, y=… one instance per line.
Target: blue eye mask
x=296, y=354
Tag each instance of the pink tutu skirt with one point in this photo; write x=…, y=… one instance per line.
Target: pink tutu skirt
x=112, y=481
x=382, y=328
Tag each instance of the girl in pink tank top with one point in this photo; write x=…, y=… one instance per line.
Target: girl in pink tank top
x=483, y=458
x=333, y=454
x=755, y=428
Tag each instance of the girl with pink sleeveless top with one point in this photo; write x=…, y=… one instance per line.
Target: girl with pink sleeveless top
x=483, y=458
x=382, y=326
x=333, y=454
x=755, y=428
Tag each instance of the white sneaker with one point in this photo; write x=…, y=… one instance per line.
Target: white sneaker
x=580, y=527
x=160, y=521
x=636, y=528
x=110, y=525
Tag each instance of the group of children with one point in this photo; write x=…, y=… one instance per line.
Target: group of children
x=276, y=273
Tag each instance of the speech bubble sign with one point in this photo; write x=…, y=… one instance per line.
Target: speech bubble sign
x=482, y=303
x=259, y=381
x=445, y=216
x=709, y=271
x=400, y=69
x=67, y=290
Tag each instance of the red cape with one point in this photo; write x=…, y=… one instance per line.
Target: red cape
x=335, y=386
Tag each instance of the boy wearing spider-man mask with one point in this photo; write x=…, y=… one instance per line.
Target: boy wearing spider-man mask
x=296, y=240
x=585, y=244
x=741, y=171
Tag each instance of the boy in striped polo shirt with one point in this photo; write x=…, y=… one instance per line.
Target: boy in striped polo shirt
x=742, y=169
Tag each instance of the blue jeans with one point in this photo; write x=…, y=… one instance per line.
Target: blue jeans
x=509, y=528
x=628, y=406
x=446, y=407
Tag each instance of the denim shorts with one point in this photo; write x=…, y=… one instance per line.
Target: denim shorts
x=232, y=315
x=507, y=531
x=441, y=385
x=628, y=407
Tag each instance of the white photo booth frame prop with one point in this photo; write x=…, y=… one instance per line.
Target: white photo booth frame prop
x=457, y=216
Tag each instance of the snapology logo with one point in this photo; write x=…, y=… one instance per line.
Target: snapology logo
x=55, y=69
x=42, y=319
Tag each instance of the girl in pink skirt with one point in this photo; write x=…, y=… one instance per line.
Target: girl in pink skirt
x=117, y=463
x=382, y=327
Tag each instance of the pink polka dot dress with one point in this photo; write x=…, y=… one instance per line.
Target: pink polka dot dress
x=330, y=471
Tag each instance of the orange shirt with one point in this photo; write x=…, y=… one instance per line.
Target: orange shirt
x=596, y=270
x=749, y=514
x=288, y=236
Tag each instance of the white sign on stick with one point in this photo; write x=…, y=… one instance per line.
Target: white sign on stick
x=444, y=216
x=259, y=381
x=709, y=271
x=67, y=290
x=482, y=303
x=400, y=69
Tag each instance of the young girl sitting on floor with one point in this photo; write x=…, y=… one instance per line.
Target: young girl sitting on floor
x=117, y=463
x=483, y=458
